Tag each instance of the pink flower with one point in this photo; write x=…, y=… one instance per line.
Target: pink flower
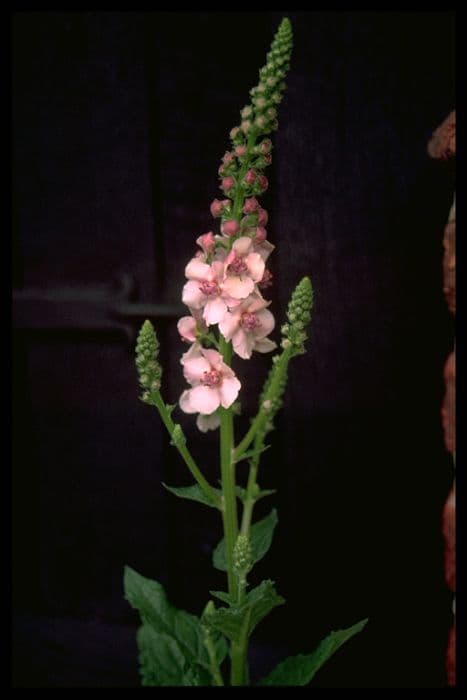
x=218, y=207
x=205, y=290
x=243, y=267
x=207, y=242
x=230, y=228
x=248, y=325
x=213, y=382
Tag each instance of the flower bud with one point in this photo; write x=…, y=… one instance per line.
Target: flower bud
x=246, y=112
x=265, y=146
x=251, y=205
x=218, y=207
x=260, y=234
x=147, y=365
x=241, y=150
x=263, y=182
x=230, y=228
x=234, y=132
x=207, y=242
x=250, y=177
x=299, y=315
x=228, y=183
x=246, y=126
x=242, y=555
x=262, y=217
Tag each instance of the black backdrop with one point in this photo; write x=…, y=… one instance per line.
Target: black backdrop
x=119, y=121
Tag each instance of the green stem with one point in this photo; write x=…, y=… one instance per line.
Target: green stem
x=213, y=663
x=239, y=652
x=183, y=450
x=262, y=415
x=250, y=499
x=229, y=509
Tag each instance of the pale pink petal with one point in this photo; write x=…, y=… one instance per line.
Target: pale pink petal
x=265, y=345
x=229, y=390
x=238, y=288
x=243, y=343
x=229, y=324
x=267, y=323
x=264, y=249
x=205, y=423
x=185, y=402
x=214, y=310
x=187, y=328
x=192, y=295
x=217, y=270
x=197, y=270
x=255, y=266
x=256, y=302
x=194, y=369
x=242, y=245
x=205, y=399
x=214, y=358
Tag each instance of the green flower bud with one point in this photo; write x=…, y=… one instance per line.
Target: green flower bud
x=147, y=365
x=298, y=315
x=242, y=555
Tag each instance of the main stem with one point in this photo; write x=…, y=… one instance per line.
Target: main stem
x=229, y=505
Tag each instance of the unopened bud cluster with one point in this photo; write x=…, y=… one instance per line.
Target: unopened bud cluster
x=299, y=316
x=242, y=555
x=147, y=351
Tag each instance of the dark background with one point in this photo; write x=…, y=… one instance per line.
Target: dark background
x=119, y=122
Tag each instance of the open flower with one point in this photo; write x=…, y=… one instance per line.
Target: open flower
x=213, y=382
x=248, y=325
x=205, y=290
x=243, y=268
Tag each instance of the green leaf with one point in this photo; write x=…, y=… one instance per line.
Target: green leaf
x=241, y=493
x=162, y=662
x=222, y=595
x=257, y=604
x=253, y=453
x=192, y=493
x=149, y=598
x=300, y=669
x=260, y=538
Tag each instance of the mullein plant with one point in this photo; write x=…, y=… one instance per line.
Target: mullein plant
x=229, y=316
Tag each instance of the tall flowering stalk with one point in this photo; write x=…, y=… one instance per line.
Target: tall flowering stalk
x=226, y=284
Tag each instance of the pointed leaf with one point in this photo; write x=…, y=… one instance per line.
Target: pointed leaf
x=260, y=538
x=222, y=595
x=149, y=598
x=192, y=493
x=300, y=669
x=162, y=662
x=257, y=604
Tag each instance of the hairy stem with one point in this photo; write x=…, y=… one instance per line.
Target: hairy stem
x=183, y=450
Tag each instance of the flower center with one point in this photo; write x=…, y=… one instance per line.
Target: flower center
x=209, y=288
x=238, y=266
x=249, y=321
x=212, y=378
